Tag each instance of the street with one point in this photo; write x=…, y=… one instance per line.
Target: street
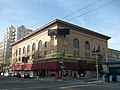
x=9, y=83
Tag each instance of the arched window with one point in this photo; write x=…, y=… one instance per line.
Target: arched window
x=33, y=47
x=16, y=52
x=19, y=51
x=46, y=44
x=28, y=48
x=87, y=45
x=24, y=50
x=76, y=43
x=40, y=45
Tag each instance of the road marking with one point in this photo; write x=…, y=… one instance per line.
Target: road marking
x=93, y=82
x=73, y=86
x=35, y=87
x=112, y=86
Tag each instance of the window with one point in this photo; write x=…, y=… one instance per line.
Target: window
x=33, y=47
x=28, y=57
x=46, y=44
x=114, y=55
x=19, y=59
x=76, y=54
x=45, y=52
x=33, y=56
x=118, y=55
x=39, y=54
x=16, y=52
x=28, y=48
x=24, y=50
x=87, y=55
x=87, y=45
x=40, y=45
x=19, y=51
x=76, y=43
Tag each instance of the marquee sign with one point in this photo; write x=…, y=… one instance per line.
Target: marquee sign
x=58, y=32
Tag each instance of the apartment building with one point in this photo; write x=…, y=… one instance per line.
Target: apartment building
x=1, y=55
x=12, y=34
x=41, y=52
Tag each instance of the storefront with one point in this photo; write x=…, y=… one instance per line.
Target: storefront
x=47, y=69
x=113, y=68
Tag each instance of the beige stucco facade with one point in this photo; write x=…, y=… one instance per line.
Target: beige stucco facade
x=56, y=44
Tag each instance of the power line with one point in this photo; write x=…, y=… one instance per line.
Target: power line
x=80, y=9
x=92, y=10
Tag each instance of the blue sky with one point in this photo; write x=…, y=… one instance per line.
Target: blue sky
x=35, y=13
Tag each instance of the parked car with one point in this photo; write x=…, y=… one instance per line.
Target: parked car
x=9, y=75
x=6, y=74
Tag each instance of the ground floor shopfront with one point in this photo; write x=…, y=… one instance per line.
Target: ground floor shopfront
x=113, y=69
x=46, y=69
x=53, y=69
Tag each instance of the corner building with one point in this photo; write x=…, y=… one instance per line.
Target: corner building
x=39, y=54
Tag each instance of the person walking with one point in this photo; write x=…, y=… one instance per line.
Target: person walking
x=108, y=75
x=107, y=80
x=105, y=77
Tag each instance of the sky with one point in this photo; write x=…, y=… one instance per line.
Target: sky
x=36, y=13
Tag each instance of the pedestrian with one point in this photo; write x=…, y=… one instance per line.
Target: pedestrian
x=105, y=77
x=108, y=77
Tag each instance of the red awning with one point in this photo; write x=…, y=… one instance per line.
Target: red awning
x=18, y=67
x=71, y=66
x=90, y=66
x=55, y=66
x=12, y=68
x=21, y=67
x=45, y=65
x=27, y=66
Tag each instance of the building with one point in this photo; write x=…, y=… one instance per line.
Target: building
x=1, y=55
x=1, y=51
x=12, y=34
x=113, y=55
x=112, y=62
x=21, y=32
x=48, y=52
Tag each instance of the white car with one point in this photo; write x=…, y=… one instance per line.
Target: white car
x=6, y=74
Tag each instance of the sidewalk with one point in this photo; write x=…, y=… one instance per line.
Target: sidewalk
x=87, y=80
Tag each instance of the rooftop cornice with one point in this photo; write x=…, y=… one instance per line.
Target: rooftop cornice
x=84, y=30
x=57, y=21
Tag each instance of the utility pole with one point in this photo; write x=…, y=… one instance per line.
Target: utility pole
x=96, y=52
x=60, y=32
x=97, y=66
x=62, y=60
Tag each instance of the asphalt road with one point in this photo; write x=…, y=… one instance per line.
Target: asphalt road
x=48, y=84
